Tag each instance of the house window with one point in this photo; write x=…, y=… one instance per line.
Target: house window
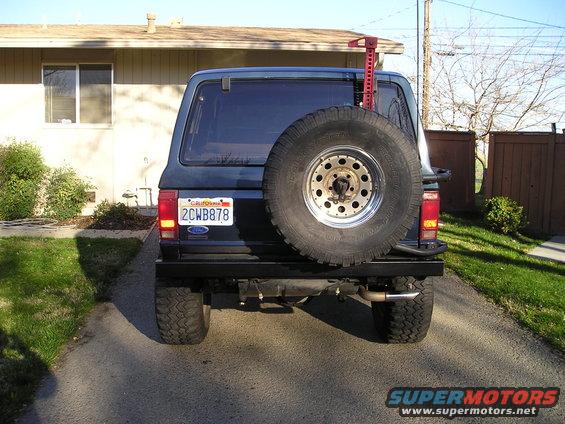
x=78, y=93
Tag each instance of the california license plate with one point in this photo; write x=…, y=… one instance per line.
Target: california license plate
x=206, y=211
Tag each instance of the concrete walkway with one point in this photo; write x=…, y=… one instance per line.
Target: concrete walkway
x=265, y=363
x=553, y=249
x=65, y=232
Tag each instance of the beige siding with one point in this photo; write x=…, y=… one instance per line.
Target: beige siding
x=232, y=58
x=17, y=66
x=22, y=114
x=77, y=55
x=148, y=87
x=21, y=93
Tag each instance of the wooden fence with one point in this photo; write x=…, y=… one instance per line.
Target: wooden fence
x=454, y=150
x=530, y=168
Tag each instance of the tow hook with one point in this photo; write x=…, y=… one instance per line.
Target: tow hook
x=373, y=296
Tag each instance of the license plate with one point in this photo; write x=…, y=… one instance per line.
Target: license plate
x=206, y=211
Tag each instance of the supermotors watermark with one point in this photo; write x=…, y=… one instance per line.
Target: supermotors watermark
x=451, y=402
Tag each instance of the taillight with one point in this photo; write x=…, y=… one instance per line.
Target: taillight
x=429, y=216
x=168, y=214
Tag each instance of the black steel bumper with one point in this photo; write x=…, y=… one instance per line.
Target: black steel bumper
x=437, y=248
x=249, y=266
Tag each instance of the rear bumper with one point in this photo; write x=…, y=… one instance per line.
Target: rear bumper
x=435, y=249
x=249, y=266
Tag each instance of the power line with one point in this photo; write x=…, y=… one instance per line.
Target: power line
x=529, y=62
x=499, y=45
x=374, y=21
x=533, y=37
x=500, y=14
x=505, y=54
x=464, y=27
x=506, y=36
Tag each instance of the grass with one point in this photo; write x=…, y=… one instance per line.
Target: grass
x=532, y=290
x=47, y=286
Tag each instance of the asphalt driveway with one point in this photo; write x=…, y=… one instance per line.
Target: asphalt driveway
x=319, y=363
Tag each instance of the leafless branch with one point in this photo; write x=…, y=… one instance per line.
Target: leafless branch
x=482, y=86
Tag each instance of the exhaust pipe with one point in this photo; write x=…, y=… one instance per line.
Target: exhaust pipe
x=301, y=288
x=373, y=296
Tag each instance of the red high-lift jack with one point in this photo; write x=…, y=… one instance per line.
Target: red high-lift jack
x=370, y=44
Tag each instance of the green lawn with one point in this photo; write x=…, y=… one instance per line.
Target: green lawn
x=47, y=286
x=531, y=289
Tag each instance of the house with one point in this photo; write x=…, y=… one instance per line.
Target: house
x=103, y=98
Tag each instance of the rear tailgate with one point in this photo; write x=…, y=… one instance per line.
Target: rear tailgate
x=250, y=230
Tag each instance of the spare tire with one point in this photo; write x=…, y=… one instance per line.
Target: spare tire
x=342, y=185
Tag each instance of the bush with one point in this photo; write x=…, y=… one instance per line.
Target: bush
x=503, y=215
x=21, y=174
x=114, y=211
x=21, y=160
x=117, y=216
x=17, y=199
x=65, y=194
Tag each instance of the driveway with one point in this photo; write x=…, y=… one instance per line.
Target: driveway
x=319, y=363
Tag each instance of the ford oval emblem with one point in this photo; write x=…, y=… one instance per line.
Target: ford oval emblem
x=198, y=229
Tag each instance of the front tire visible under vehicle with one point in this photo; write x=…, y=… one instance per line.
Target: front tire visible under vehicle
x=405, y=321
x=183, y=316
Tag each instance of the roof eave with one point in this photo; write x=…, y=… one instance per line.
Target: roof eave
x=384, y=47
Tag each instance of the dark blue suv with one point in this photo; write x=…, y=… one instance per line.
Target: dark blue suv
x=278, y=184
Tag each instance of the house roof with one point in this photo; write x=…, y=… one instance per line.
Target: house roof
x=184, y=37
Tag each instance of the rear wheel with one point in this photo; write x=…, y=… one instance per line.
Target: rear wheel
x=183, y=316
x=405, y=321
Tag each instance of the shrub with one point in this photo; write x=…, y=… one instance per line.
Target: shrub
x=17, y=199
x=117, y=216
x=114, y=212
x=65, y=194
x=21, y=160
x=21, y=173
x=503, y=215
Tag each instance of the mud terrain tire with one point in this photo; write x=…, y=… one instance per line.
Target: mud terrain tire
x=360, y=211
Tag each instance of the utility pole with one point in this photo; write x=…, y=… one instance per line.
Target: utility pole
x=426, y=68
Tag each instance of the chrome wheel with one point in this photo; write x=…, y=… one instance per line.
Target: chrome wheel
x=343, y=187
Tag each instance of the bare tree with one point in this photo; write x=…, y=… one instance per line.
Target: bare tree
x=484, y=86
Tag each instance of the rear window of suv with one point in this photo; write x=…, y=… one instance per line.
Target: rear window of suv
x=239, y=127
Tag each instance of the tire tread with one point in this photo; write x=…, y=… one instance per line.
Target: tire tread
x=405, y=321
x=277, y=157
x=182, y=316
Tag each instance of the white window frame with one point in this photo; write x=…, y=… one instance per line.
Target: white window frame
x=79, y=124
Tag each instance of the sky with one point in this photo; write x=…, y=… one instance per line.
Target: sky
x=373, y=16
x=390, y=19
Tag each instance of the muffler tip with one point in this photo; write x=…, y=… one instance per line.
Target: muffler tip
x=373, y=296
